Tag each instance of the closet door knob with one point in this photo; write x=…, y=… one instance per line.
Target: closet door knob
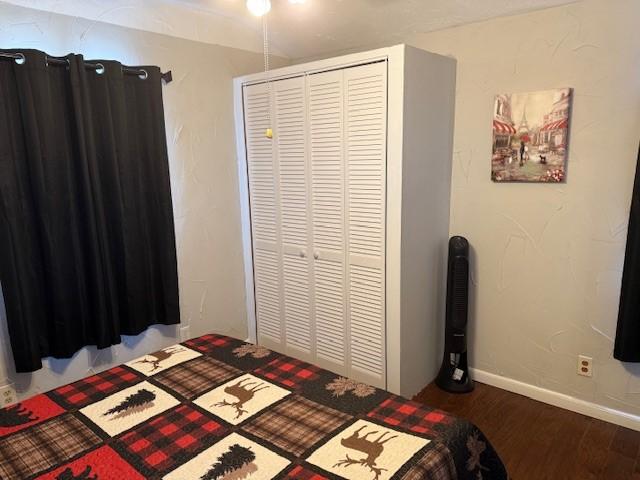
x=302, y=254
x=316, y=255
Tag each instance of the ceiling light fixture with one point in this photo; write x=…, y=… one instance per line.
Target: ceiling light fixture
x=259, y=7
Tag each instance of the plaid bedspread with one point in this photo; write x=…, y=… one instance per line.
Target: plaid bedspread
x=218, y=408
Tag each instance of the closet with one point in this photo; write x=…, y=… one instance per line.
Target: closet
x=344, y=169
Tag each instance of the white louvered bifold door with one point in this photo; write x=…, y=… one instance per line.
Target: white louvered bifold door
x=365, y=160
x=326, y=134
x=262, y=171
x=290, y=136
x=317, y=193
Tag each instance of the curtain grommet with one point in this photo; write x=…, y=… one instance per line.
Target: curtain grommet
x=47, y=64
x=144, y=75
x=20, y=59
x=100, y=68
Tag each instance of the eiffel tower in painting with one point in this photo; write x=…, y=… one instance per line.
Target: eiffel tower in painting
x=523, y=126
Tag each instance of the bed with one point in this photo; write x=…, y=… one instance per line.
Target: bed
x=218, y=408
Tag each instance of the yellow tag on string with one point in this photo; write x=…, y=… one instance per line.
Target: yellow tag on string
x=269, y=133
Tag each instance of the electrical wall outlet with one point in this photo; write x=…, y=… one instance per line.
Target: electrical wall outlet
x=7, y=396
x=585, y=366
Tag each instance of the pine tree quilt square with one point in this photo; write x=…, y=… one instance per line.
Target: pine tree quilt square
x=129, y=407
x=365, y=450
x=241, y=398
x=102, y=463
x=158, y=361
x=233, y=457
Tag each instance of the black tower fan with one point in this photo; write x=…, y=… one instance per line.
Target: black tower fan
x=454, y=373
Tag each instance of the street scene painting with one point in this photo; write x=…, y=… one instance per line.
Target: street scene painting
x=530, y=136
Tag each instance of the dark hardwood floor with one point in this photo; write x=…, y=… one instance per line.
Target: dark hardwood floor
x=538, y=441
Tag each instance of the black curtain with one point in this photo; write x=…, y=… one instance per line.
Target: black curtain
x=627, y=346
x=87, y=242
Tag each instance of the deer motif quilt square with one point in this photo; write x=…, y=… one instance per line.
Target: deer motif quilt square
x=241, y=398
x=296, y=424
x=367, y=451
x=159, y=361
x=102, y=463
x=233, y=457
x=129, y=407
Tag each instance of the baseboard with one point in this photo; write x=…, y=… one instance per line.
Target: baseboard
x=558, y=399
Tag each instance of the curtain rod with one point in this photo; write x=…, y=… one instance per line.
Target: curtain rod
x=98, y=67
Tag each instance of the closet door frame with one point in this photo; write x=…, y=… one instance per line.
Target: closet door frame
x=395, y=57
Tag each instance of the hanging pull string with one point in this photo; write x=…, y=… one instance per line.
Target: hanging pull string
x=265, y=44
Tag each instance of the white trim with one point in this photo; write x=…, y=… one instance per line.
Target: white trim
x=393, y=213
x=318, y=66
x=245, y=215
x=556, y=399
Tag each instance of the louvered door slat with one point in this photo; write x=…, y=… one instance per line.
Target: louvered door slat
x=365, y=152
x=264, y=222
x=297, y=302
x=327, y=163
x=290, y=135
x=266, y=271
x=326, y=132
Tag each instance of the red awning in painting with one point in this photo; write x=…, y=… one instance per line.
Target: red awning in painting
x=503, y=128
x=557, y=125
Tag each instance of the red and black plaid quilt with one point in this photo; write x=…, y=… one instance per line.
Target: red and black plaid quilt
x=218, y=408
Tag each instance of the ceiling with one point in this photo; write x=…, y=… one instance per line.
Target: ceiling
x=318, y=27
x=315, y=28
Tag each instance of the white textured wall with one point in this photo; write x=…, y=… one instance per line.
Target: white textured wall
x=199, y=119
x=548, y=258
